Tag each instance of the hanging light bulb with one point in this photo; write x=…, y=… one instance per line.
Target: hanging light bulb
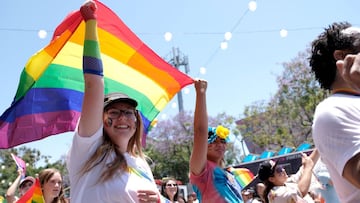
x=203, y=70
x=252, y=5
x=186, y=90
x=228, y=36
x=168, y=36
x=164, y=116
x=283, y=33
x=224, y=45
x=42, y=34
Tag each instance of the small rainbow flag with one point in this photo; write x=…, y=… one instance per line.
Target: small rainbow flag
x=33, y=195
x=49, y=96
x=242, y=175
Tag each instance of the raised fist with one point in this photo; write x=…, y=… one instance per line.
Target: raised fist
x=88, y=10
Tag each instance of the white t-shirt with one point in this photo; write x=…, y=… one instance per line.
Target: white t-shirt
x=286, y=194
x=87, y=188
x=290, y=191
x=336, y=133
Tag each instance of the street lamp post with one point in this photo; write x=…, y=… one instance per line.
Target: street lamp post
x=179, y=59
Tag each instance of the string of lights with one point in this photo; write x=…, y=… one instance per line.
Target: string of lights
x=252, y=6
x=185, y=33
x=227, y=36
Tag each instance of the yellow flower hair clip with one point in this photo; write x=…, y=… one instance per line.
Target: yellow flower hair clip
x=220, y=131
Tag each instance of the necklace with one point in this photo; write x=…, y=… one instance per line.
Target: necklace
x=347, y=91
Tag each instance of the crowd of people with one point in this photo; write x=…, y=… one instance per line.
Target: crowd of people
x=51, y=183
x=106, y=162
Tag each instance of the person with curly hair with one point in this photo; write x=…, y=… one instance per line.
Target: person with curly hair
x=335, y=62
x=211, y=182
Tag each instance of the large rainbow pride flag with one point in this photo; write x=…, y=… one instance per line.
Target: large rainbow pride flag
x=49, y=96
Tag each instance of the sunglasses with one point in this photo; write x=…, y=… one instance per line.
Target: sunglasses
x=219, y=141
x=171, y=185
x=278, y=169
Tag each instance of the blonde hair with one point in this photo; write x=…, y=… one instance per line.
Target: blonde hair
x=107, y=147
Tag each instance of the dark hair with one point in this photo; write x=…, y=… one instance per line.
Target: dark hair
x=181, y=197
x=163, y=187
x=266, y=170
x=322, y=61
x=268, y=186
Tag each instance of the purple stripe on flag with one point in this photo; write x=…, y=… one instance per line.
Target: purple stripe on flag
x=37, y=126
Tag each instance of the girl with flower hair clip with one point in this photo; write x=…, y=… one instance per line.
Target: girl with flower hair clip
x=211, y=182
x=220, y=131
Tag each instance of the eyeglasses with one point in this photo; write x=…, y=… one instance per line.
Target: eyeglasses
x=116, y=113
x=171, y=185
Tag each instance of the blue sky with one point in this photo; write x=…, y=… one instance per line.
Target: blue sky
x=243, y=73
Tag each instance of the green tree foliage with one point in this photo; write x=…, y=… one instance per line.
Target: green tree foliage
x=32, y=158
x=169, y=144
x=287, y=118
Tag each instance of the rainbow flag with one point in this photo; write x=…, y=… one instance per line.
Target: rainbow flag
x=33, y=195
x=49, y=96
x=242, y=175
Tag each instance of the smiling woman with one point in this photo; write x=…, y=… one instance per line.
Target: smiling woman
x=170, y=189
x=212, y=183
x=105, y=161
